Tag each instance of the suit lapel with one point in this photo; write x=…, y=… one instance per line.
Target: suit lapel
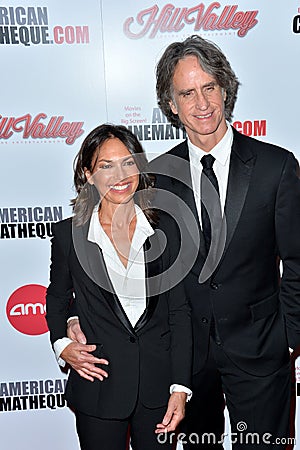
x=91, y=259
x=242, y=161
x=153, y=270
x=184, y=189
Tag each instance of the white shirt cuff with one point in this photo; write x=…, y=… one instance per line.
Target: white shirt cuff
x=180, y=388
x=58, y=347
x=71, y=318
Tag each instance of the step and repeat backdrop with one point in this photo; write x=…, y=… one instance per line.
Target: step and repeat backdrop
x=65, y=68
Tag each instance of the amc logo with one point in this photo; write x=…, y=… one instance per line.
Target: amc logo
x=26, y=309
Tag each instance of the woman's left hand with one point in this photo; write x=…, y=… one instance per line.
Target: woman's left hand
x=175, y=413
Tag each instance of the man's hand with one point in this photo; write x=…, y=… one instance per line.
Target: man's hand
x=81, y=360
x=175, y=413
x=74, y=331
x=77, y=354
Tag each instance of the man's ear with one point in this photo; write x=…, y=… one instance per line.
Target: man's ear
x=173, y=107
x=224, y=95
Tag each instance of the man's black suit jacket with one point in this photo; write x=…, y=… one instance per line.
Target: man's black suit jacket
x=256, y=311
x=144, y=360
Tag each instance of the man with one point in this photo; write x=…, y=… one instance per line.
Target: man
x=245, y=316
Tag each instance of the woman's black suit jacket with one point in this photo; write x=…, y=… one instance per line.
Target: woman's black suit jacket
x=144, y=360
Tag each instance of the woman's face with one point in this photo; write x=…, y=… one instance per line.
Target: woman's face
x=115, y=173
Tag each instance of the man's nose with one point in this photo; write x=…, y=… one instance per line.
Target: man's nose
x=202, y=101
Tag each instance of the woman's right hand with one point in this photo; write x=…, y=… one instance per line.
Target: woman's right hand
x=79, y=357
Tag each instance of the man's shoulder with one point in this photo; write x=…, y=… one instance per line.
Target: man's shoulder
x=170, y=164
x=179, y=150
x=261, y=149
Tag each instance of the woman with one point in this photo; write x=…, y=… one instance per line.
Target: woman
x=110, y=262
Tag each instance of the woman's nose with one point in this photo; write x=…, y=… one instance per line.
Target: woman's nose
x=119, y=173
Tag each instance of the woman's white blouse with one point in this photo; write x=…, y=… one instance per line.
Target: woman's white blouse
x=128, y=282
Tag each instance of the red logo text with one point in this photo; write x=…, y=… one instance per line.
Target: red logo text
x=171, y=19
x=25, y=309
x=35, y=128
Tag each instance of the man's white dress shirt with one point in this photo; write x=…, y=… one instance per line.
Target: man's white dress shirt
x=221, y=153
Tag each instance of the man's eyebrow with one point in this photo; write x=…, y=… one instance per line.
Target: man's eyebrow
x=205, y=85
x=185, y=91
x=210, y=83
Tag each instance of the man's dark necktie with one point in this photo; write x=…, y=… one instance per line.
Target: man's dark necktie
x=210, y=200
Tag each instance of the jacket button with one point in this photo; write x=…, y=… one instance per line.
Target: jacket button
x=214, y=286
x=132, y=339
x=204, y=320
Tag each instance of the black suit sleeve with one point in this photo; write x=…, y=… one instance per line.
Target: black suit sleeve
x=179, y=309
x=60, y=291
x=181, y=337
x=287, y=223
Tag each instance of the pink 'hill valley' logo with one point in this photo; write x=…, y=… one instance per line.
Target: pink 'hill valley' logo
x=171, y=19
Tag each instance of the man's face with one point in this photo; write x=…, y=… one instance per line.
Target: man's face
x=199, y=102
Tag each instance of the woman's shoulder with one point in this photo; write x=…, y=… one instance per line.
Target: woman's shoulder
x=168, y=226
x=64, y=224
x=166, y=221
x=63, y=228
